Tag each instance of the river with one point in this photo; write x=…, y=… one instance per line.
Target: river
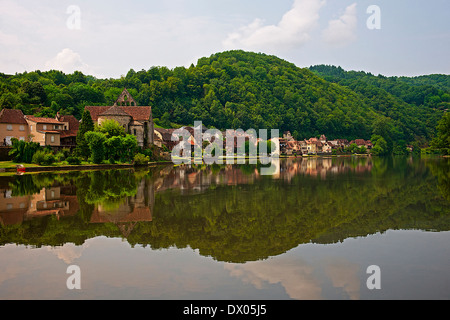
x=314, y=229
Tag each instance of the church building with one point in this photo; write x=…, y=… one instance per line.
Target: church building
x=136, y=120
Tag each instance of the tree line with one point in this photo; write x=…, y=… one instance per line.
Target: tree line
x=238, y=89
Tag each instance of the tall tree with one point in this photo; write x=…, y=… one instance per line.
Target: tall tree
x=87, y=125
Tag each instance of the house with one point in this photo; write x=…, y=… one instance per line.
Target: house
x=135, y=119
x=69, y=136
x=362, y=143
x=327, y=147
x=314, y=146
x=46, y=131
x=303, y=147
x=12, y=125
x=163, y=137
x=288, y=136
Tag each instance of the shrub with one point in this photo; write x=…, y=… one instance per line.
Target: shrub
x=23, y=151
x=43, y=158
x=60, y=156
x=140, y=159
x=39, y=157
x=74, y=161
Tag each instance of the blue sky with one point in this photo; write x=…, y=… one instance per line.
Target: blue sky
x=114, y=36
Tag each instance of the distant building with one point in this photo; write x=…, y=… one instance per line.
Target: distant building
x=135, y=119
x=12, y=125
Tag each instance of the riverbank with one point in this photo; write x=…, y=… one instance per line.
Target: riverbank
x=13, y=168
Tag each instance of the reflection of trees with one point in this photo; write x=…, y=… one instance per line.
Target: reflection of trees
x=251, y=222
x=441, y=170
x=241, y=216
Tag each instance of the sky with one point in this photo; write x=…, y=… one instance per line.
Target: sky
x=107, y=38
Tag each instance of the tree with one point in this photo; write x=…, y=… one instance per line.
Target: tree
x=96, y=142
x=380, y=146
x=86, y=125
x=111, y=128
x=442, y=140
x=165, y=120
x=23, y=151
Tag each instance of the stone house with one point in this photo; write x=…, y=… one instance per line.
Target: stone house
x=136, y=120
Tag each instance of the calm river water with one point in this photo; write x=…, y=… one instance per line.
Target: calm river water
x=309, y=231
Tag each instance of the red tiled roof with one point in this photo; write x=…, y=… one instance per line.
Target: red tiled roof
x=114, y=111
x=74, y=125
x=137, y=113
x=12, y=116
x=44, y=120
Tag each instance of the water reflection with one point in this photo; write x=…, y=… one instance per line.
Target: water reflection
x=229, y=212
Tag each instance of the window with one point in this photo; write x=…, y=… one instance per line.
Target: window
x=135, y=132
x=22, y=128
x=9, y=127
x=44, y=127
x=52, y=138
x=31, y=128
x=22, y=139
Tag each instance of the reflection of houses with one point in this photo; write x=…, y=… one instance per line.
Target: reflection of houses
x=129, y=211
x=49, y=201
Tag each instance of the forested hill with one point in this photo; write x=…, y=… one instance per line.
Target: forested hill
x=238, y=89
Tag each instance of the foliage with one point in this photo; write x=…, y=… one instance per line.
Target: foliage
x=442, y=140
x=121, y=148
x=86, y=125
x=74, y=161
x=44, y=158
x=140, y=159
x=96, y=142
x=237, y=89
x=111, y=128
x=23, y=151
x=380, y=146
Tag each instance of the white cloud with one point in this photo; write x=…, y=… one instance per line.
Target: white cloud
x=293, y=30
x=68, y=61
x=342, y=31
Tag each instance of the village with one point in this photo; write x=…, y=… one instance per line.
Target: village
x=61, y=132
x=289, y=146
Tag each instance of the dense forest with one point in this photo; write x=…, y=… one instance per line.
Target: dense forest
x=238, y=89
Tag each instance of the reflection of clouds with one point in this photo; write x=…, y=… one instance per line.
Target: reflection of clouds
x=294, y=275
x=13, y=266
x=344, y=274
x=299, y=278
x=68, y=252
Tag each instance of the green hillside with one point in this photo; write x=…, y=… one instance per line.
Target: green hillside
x=238, y=89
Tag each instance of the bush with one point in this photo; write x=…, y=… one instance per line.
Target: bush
x=60, y=156
x=140, y=159
x=23, y=151
x=74, y=161
x=39, y=157
x=43, y=158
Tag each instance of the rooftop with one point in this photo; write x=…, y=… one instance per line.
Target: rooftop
x=12, y=116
